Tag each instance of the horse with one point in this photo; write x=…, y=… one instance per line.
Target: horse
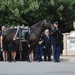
x=36, y=31
x=34, y=36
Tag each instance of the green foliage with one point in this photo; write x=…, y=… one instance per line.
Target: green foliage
x=32, y=11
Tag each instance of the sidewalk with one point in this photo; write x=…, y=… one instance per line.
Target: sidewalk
x=67, y=58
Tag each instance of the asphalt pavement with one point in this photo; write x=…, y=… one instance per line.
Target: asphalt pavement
x=37, y=68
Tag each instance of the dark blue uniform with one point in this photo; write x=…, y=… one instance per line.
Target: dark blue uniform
x=47, y=49
x=40, y=49
x=56, y=43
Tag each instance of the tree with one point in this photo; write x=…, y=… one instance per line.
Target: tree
x=31, y=11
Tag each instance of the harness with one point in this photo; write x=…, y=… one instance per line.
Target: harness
x=22, y=34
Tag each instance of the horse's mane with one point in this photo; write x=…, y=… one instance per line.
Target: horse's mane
x=36, y=24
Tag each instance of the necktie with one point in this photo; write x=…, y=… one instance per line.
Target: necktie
x=48, y=36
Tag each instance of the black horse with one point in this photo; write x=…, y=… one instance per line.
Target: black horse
x=34, y=36
x=35, y=32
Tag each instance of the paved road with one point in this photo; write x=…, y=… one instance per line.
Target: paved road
x=37, y=68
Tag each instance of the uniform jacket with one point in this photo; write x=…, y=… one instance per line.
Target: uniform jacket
x=47, y=41
x=56, y=36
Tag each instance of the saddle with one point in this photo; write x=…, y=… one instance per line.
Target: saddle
x=22, y=34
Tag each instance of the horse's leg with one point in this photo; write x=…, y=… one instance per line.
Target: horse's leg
x=20, y=52
x=20, y=55
x=25, y=50
x=35, y=54
x=9, y=56
x=9, y=52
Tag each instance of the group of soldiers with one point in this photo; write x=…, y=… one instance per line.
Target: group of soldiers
x=49, y=44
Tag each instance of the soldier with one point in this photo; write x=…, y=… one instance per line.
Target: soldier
x=47, y=45
x=56, y=42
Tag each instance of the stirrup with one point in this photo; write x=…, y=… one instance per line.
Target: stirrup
x=17, y=38
x=23, y=40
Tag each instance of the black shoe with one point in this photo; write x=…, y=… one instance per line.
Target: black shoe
x=29, y=61
x=55, y=60
x=14, y=60
x=39, y=60
x=49, y=60
x=58, y=60
x=45, y=60
x=9, y=60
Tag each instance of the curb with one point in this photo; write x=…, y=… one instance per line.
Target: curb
x=67, y=58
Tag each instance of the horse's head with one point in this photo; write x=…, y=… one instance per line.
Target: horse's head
x=48, y=24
